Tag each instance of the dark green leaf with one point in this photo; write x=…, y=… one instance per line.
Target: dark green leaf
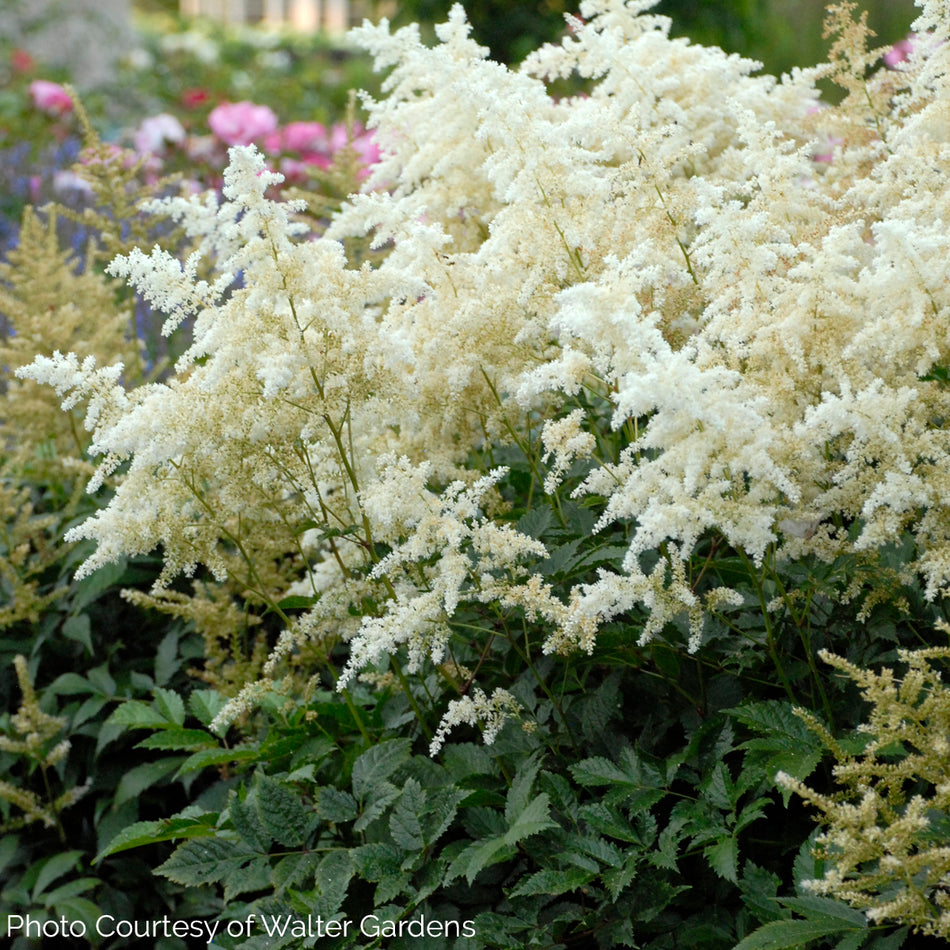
x=552, y=882
x=723, y=857
x=166, y=659
x=170, y=705
x=253, y=876
x=336, y=805
x=79, y=629
x=377, y=763
x=167, y=829
x=205, y=757
x=144, y=776
x=404, y=821
x=792, y=934
x=205, y=704
x=282, y=814
x=183, y=740
x=246, y=820
x=205, y=861
x=532, y=820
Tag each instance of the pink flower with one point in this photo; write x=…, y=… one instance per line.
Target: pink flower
x=368, y=149
x=51, y=97
x=156, y=132
x=900, y=52
x=305, y=137
x=240, y=123
x=21, y=61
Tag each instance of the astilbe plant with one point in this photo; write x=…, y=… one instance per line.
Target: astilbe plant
x=31, y=740
x=726, y=337
x=884, y=842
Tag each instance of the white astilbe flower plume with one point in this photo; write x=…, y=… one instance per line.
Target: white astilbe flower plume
x=711, y=333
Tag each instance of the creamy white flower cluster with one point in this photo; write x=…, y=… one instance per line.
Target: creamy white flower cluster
x=764, y=326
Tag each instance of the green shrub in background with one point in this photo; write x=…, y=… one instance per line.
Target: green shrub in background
x=780, y=33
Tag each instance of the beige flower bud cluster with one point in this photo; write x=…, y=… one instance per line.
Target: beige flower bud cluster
x=884, y=842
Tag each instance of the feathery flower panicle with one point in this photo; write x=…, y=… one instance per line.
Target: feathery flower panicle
x=882, y=849
x=762, y=337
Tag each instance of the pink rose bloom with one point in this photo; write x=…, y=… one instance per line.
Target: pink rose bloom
x=156, y=132
x=51, y=97
x=305, y=137
x=368, y=149
x=240, y=123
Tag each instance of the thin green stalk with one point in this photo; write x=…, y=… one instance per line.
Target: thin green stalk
x=769, y=633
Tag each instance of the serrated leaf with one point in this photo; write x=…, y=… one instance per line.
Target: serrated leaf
x=336, y=805
x=70, y=684
x=805, y=866
x=69, y=890
x=604, y=851
x=167, y=829
x=375, y=861
x=535, y=522
x=784, y=742
x=332, y=878
x=465, y=760
x=253, y=876
x=282, y=814
x=204, y=757
x=478, y=855
x=135, y=714
x=205, y=704
x=382, y=797
x=792, y=934
x=608, y=820
x=101, y=680
x=179, y=740
x=166, y=659
x=79, y=629
x=247, y=823
x=854, y=941
x=205, y=861
x=759, y=891
x=561, y=558
x=377, y=763
x=443, y=807
x=616, y=879
x=404, y=824
x=520, y=792
x=170, y=705
x=723, y=857
x=552, y=883
x=294, y=870
x=52, y=868
x=532, y=820
x=718, y=788
x=814, y=906
x=636, y=783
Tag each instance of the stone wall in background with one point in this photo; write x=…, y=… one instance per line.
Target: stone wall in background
x=87, y=37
